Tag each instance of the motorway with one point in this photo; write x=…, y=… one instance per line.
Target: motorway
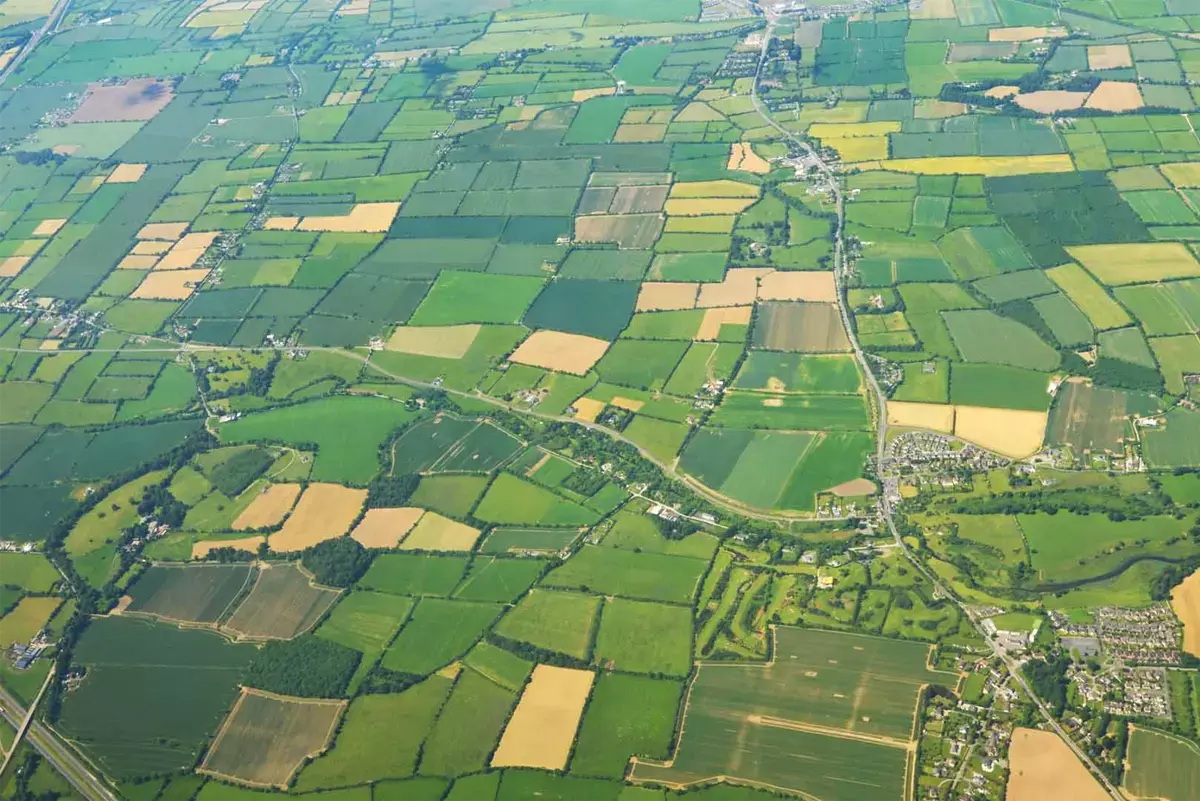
x=56, y=13
x=880, y=403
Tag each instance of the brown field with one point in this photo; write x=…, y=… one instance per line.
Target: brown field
x=1051, y=100
x=12, y=265
x=1107, y=57
x=817, y=287
x=1025, y=33
x=267, y=737
x=638, y=199
x=49, y=227
x=283, y=603
x=932, y=416
x=1010, y=432
x=804, y=327
x=187, y=251
x=1185, y=600
x=137, y=99
x=666, y=296
x=437, y=533
x=710, y=326
x=384, y=528
x=1115, y=96
x=169, y=285
x=200, y=549
x=740, y=288
x=742, y=157
x=281, y=223
x=363, y=218
x=588, y=409
x=269, y=508
x=167, y=231
x=638, y=231
x=1043, y=767
x=555, y=350
x=540, y=732
x=1137, y=263
x=325, y=511
x=441, y=341
x=126, y=174
x=933, y=9
x=149, y=248
x=855, y=488
x=135, y=262
x=699, y=206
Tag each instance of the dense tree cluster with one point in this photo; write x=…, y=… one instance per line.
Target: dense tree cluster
x=390, y=491
x=237, y=472
x=1048, y=678
x=308, y=667
x=338, y=562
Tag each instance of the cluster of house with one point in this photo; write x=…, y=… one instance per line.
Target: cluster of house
x=1141, y=692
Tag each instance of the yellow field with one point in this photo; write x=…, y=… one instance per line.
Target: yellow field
x=49, y=227
x=555, y=350
x=817, y=286
x=1042, y=767
x=187, y=251
x=721, y=188
x=1137, y=263
x=281, y=223
x=701, y=225
x=12, y=265
x=580, y=95
x=540, y=732
x=149, y=247
x=169, y=284
x=1115, y=96
x=588, y=409
x=1185, y=600
x=932, y=416
x=976, y=165
x=167, y=231
x=742, y=157
x=200, y=549
x=710, y=326
x=740, y=288
x=1107, y=57
x=325, y=511
x=136, y=262
x=442, y=341
x=860, y=148
x=384, y=528
x=1184, y=175
x=666, y=296
x=708, y=205
x=1025, y=33
x=437, y=533
x=1090, y=297
x=363, y=218
x=1010, y=432
x=269, y=508
x=1051, y=100
x=126, y=174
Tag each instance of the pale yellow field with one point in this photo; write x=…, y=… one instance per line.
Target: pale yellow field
x=442, y=341
x=588, y=409
x=136, y=262
x=699, y=112
x=580, y=95
x=169, y=285
x=384, y=528
x=540, y=732
x=1185, y=600
x=932, y=416
x=740, y=288
x=1115, y=96
x=363, y=218
x=325, y=511
x=126, y=174
x=701, y=225
x=666, y=296
x=49, y=227
x=1025, y=33
x=1137, y=263
x=977, y=165
x=1107, y=57
x=1042, y=767
x=854, y=488
x=281, y=223
x=708, y=205
x=710, y=326
x=149, y=248
x=1010, y=432
x=12, y=265
x=168, y=231
x=555, y=350
x=742, y=157
x=1002, y=91
x=933, y=9
x=437, y=533
x=269, y=508
x=1184, y=175
x=1089, y=296
x=1051, y=100
x=200, y=549
x=187, y=251
x=640, y=132
x=817, y=286
x=720, y=188
x=627, y=403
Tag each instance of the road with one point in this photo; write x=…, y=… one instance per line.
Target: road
x=880, y=405
x=56, y=13
x=57, y=753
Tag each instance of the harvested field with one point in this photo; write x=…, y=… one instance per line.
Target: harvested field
x=742, y=157
x=1050, y=101
x=542, y=728
x=137, y=99
x=588, y=409
x=1137, y=263
x=816, y=287
x=169, y=285
x=12, y=265
x=284, y=602
x=666, y=296
x=324, y=511
x=710, y=326
x=267, y=737
x=804, y=327
x=162, y=231
x=49, y=227
x=269, y=508
x=556, y=350
x=1107, y=57
x=1002, y=91
x=638, y=231
x=855, y=488
x=384, y=528
x=440, y=341
x=697, y=206
x=187, y=251
x=1011, y=432
x=200, y=549
x=126, y=174
x=1025, y=33
x=931, y=416
x=580, y=95
x=437, y=533
x=740, y=288
x=1115, y=96
x=133, y=262
x=1185, y=600
x=638, y=199
x=281, y=223
x=149, y=248
x=363, y=218
x=1042, y=766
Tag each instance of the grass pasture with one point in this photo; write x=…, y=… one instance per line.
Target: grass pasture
x=627, y=715
x=613, y=571
x=468, y=727
x=553, y=621
x=438, y=632
x=641, y=637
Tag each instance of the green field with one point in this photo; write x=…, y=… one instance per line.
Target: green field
x=510, y=500
x=468, y=728
x=611, y=571
x=640, y=637
x=1162, y=766
x=192, y=594
x=627, y=716
x=553, y=621
x=437, y=633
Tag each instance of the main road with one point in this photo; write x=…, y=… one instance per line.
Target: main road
x=55, y=15
x=840, y=269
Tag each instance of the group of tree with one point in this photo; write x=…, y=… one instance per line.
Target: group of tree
x=307, y=666
x=338, y=562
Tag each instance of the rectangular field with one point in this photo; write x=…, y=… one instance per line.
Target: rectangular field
x=283, y=603
x=192, y=593
x=542, y=729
